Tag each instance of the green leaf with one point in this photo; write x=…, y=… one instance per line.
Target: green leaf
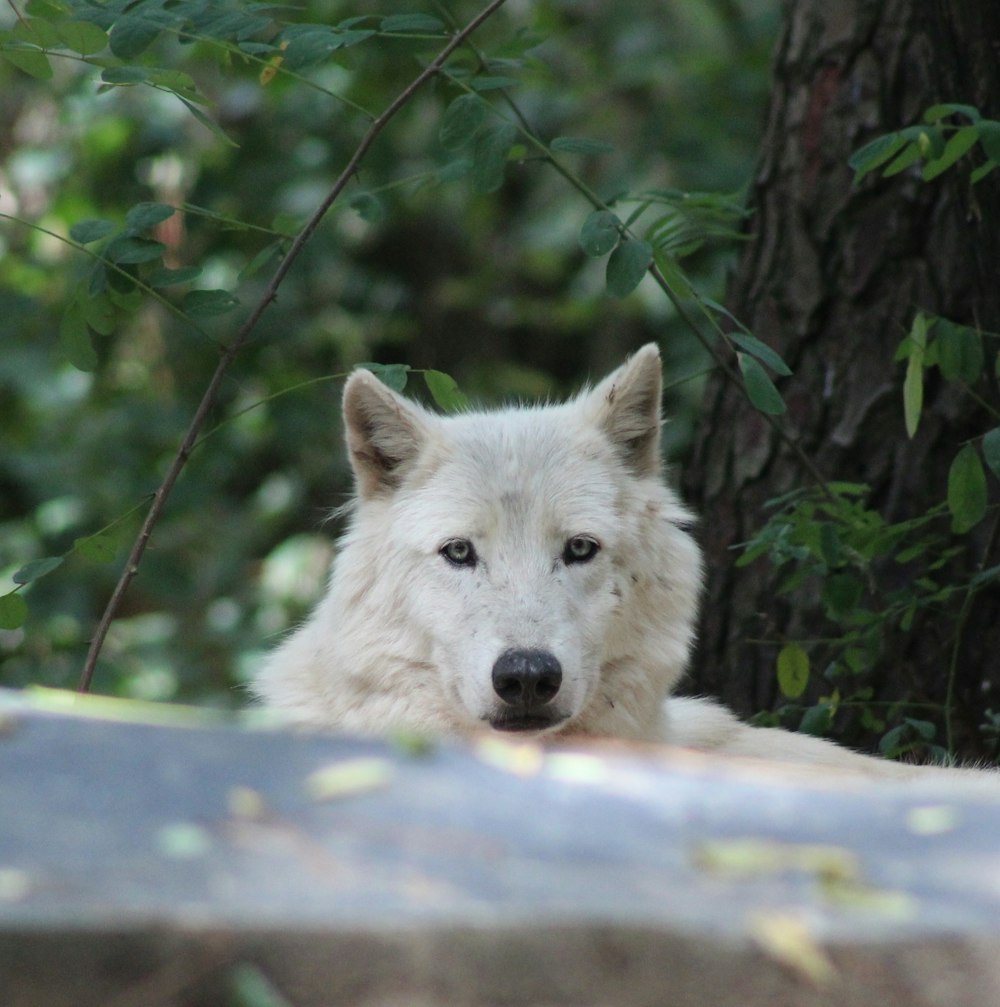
x=627, y=266
x=989, y=138
x=462, y=118
x=831, y=548
x=368, y=207
x=907, y=157
x=913, y=383
x=309, y=47
x=600, y=233
x=132, y=34
x=958, y=144
x=492, y=83
x=991, y=450
x=267, y=254
x=966, y=490
x=214, y=128
x=924, y=728
x=13, y=611
x=37, y=568
x=129, y=250
x=761, y=351
x=455, y=169
x=125, y=75
x=986, y=576
x=38, y=31
x=418, y=23
x=349, y=38
x=86, y=231
x=31, y=61
x=677, y=279
x=83, y=37
x=890, y=744
x=760, y=388
x=874, y=153
x=99, y=313
x=99, y=548
x=938, y=112
x=982, y=171
x=817, y=720
x=129, y=298
x=74, y=340
x=581, y=145
x=929, y=140
x=392, y=375
x=842, y=593
x=198, y=303
x=143, y=216
x=98, y=282
x=960, y=351
x=489, y=158
x=164, y=277
x=445, y=391
x=793, y=671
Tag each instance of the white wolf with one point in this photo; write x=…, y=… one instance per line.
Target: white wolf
x=524, y=570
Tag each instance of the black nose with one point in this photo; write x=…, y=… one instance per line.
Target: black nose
x=527, y=679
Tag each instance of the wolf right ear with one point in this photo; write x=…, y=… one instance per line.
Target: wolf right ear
x=385, y=433
x=626, y=405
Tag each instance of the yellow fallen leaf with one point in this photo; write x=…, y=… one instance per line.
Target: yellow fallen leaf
x=245, y=802
x=519, y=758
x=754, y=857
x=787, y=939
x=350, y=777
x=932, y=819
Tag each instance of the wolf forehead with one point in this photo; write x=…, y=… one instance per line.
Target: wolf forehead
x=519, y=466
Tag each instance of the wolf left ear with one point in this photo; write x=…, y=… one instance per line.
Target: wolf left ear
x=626, y=405
x=385, y=433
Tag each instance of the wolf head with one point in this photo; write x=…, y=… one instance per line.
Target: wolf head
x=523, y=570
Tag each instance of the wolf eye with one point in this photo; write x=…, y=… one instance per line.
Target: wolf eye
x=580, y=549
x=459, y=552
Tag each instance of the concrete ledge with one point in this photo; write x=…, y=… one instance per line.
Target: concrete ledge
x=155, y=864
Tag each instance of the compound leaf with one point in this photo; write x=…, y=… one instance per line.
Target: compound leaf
x=392, y=375
x=793, y=671
x=600, y=233
x=489, y=158
x=36, y=568
x=627, y=266
x=966, y=490
x=760, y=388
x=462, y=119
x=445, y=391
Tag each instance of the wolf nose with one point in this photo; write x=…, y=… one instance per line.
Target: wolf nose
x=527, y=678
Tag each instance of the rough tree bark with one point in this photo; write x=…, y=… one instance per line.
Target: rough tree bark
x=832, y=279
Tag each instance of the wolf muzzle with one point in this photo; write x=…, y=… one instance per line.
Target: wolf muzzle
x=526, y=682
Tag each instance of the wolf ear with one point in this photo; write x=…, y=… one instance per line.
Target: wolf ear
x=626, y=406
x=385, y=433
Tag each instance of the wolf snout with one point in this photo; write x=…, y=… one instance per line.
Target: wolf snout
x=526, y=682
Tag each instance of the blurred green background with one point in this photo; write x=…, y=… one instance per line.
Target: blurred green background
x=491, y=287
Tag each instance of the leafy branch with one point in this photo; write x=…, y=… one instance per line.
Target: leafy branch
x=246, y=330
x=631, y=258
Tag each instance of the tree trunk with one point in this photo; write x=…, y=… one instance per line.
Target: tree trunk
x=832, y=279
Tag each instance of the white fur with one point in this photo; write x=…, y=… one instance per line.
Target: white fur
x=405, y=639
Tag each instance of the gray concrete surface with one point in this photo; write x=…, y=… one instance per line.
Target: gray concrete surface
x=155, y=864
